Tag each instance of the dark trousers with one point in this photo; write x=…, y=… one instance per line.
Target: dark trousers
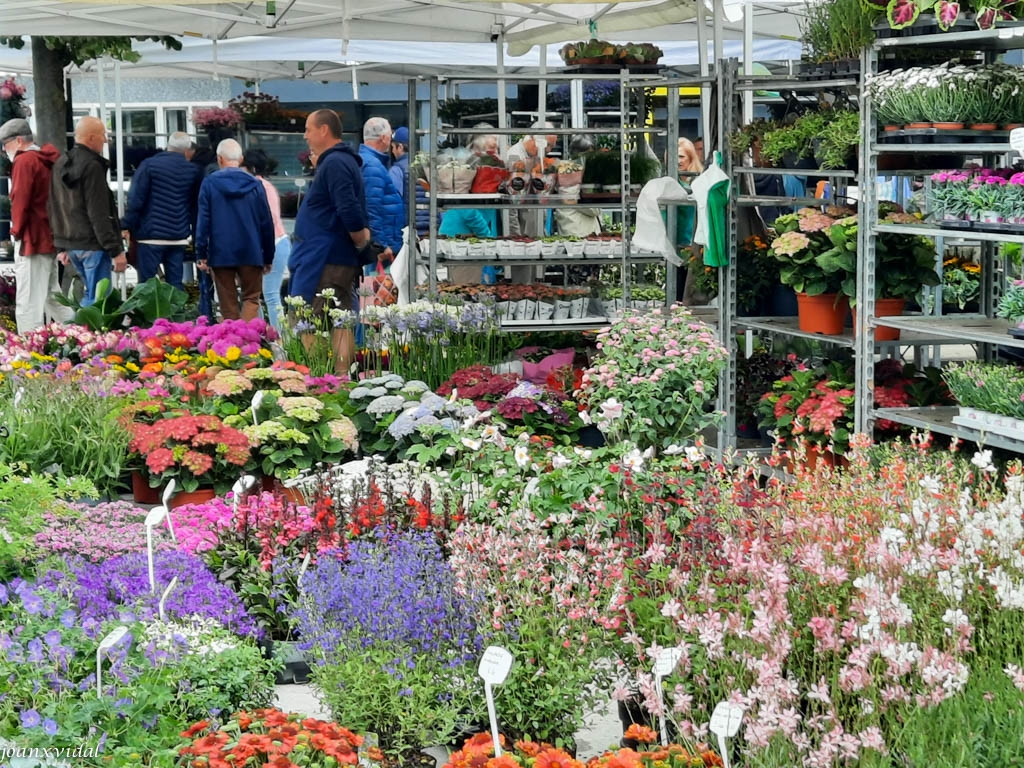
x=170, y=256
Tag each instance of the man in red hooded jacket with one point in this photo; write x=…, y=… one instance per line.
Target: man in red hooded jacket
x=35, y=263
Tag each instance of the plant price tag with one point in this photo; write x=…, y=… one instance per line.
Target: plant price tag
x=1017, y=140
x=495, y=665
x=667, y=660
x=726, y=719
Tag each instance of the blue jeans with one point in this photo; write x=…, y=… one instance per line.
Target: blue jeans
x=272, y=282
x=93, y=266
x=152, y=256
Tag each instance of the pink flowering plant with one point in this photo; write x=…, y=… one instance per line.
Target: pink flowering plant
x=811, y=404
x=216, y=117
x=197, y=525
x=654, y=378
x=99, y=532
x=544, y=600
x=868, y=617
x=816, y=257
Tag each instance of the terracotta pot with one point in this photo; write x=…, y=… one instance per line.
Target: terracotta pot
x=983, y=127
x=885, y=308
x=913, y=126
x=1012, y=126
x=948, y=126
x=813, y=457
x=141, y=492
x=273, y=485
x=824, y=314
x=198, y=496
x=891, y=128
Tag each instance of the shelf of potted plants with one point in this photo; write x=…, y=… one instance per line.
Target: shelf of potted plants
x=568, y=183
x=949, y=109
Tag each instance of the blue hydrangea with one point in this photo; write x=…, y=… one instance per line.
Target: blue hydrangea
x=403, y=426
x=385, y=404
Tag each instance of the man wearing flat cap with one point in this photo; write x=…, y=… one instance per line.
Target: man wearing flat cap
x=35, y=258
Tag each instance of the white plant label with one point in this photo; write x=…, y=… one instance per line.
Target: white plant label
x=105, y=645
x=726, y=719
x=257, y=400
x=667, y=660
x=1017, y=140
x=495, y=665
x=163, y=599
x=155, y=517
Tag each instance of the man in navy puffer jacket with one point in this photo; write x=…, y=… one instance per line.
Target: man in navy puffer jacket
x=234, y=233
x=384, y=205
x=161, y=209
x=400, y=177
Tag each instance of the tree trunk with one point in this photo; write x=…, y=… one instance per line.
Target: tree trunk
x=50, y=107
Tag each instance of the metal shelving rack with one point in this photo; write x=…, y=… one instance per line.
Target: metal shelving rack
x=984, y=330
x=631, y=106
x=733, y=84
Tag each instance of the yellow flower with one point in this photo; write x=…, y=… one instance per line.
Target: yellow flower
x=233, y=354
x=132, y=367
x=265, y=353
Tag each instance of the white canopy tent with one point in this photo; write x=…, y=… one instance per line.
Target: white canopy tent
x=522, y=24
x=263, y=59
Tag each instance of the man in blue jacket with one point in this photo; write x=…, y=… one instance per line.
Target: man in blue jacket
x=234, y=233
x=331, y=233
x=384, y=205
x=162, y=209
x=400, y=178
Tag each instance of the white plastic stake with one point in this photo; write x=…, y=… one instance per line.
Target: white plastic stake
x=257, y=399
x=156, y=516
x=664, y=666
x=163, y=598
x=242, y=484
x=305, y=564
x=17, y=397
x=106, y=644
x=494, y=668
x=725, y=723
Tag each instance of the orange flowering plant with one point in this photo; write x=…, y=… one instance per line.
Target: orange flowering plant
x=271, y=738
x=478, y=752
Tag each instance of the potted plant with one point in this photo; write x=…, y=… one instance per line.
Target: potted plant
x=570, y=174
x=837, y=145
x=1011, y=307
x=789, y=144
x=811, y=405
x=904, y=264
x=818, y=262
x=193, y=451
x=836, y=31
x=219, y=123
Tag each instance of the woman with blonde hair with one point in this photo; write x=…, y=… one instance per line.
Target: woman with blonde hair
x=690, y=165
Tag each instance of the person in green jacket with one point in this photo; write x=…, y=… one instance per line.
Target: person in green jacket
x=686, y=222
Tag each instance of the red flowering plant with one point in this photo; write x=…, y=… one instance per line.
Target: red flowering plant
x=899, y=385
x=479, y=384
x=269, y=737
x=191, y=450
x=811, y=404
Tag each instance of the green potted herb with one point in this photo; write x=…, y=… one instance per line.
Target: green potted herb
x=836, y=147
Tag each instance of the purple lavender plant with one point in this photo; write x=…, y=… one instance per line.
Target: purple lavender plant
x=393, y=646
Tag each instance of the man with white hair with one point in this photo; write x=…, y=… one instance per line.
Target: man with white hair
x=385, y=209
x=234, y=233
x=35, y=263
x=161, y=209
x=82, y=211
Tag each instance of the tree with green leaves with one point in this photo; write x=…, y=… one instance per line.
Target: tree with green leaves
x=50, y=57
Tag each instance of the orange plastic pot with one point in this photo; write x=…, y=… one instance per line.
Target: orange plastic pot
x=813, y=457
x=886, y=308
x=198, y=496
x=824, y=314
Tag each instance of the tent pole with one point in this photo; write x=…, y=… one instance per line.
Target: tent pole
x=705, y=70
x=502, y=112
x=717, y=19
x=103, y=100
x=119, y=137
x=748, y=59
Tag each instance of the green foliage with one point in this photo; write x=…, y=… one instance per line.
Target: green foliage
x=602, y=167
x=994, y=388
x=839, y=140
x=59, y=423
x=78, y=50
x=1011, y=305
x=24, y=497
x=905, y=263
x=836, y=30
x=794, y=137
x=149, y=302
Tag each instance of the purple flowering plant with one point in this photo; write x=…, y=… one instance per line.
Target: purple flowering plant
x=120, y=587
x=393, y=645
x=154, y=683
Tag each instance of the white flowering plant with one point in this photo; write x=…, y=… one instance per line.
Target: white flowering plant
x=654, y=378
x=392, y=414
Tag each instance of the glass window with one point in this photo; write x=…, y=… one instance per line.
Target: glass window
x=139, y=126
x=175, y=120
